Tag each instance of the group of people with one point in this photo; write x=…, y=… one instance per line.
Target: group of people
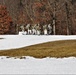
x=36, y=29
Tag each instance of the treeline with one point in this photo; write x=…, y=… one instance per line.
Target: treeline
x=61, y=14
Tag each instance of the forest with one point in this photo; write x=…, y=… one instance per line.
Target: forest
x=61, y=14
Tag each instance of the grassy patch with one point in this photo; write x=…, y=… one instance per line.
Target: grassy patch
x=57, y=49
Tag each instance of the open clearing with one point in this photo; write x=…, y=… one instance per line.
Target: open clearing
x=57, y=49
x=30, y=46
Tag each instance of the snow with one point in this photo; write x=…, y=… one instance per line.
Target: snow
x=18, y=41
x=32, y=65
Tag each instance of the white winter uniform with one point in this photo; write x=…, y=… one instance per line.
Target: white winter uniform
x=33, y=31
x=50, y=28
x=45, y=31
x=29, y=31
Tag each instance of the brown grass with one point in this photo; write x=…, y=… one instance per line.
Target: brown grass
x=57, y=49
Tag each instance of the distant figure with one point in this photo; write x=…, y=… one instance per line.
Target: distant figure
x=38, y=29
x=34, y=29
x=22, y=28
x=28, y=27
x=45, y=29
x=49, y=29
x=22, y=32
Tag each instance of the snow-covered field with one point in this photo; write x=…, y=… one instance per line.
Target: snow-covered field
x=18, y=41
x=31, y=65
x=38, y=66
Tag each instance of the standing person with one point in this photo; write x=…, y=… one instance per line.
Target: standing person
x=38, y=29
x=28, y=27
x=49, y=29
x=45, y=29
x=34, y=29
x=22, y=28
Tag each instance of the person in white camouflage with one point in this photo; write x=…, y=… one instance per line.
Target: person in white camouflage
x=37, y=29
x=28, y=27
x=22, y=28
x=34, y=29
x=45, y=29
x=49, y=29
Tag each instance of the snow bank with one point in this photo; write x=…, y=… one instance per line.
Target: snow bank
x=38, y=66
x=18, y=41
